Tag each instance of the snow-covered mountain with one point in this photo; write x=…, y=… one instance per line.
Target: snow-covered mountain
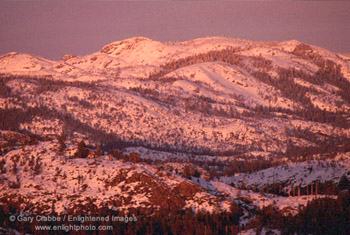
x=213, y=93
x=248, y=116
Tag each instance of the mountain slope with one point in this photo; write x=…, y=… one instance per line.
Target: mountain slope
x=222, y=94
x=213, y=130
x=39, y=175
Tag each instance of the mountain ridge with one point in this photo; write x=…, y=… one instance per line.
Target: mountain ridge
x=146, y=58
x=227, y=129
x=221, y=87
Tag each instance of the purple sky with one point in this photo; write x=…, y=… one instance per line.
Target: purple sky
x=54, y=28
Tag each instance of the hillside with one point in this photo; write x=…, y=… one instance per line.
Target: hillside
x=209, y=125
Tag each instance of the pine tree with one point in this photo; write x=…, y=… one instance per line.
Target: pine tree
x=62, y=145
x=344, y=183
x=82, y=151
x=187, y=172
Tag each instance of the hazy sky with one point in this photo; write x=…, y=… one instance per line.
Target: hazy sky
x=54, y=28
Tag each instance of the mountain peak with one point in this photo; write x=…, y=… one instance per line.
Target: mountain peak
x=115, y=48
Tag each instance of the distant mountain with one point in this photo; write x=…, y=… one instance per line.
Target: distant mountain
x=209, y=95
x=212, y=124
